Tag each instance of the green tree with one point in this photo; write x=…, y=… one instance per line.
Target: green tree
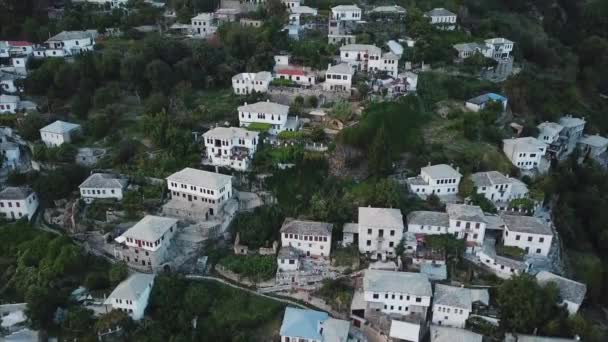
x=117, y=273
x=379, y=154
x=466, y=187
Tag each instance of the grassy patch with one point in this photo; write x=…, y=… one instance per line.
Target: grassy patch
x=345, y=256
x=510, y=252
x=337, y=293
x=255, y=267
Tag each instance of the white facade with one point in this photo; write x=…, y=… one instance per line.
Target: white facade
x=338, y=78
x=443, y=18
x=131, y=296
x=9, y=104
x=270, y=113
x=525, y=153
x=501, y=269
x=549, y=132
x=310, y=237
x=231, y=147
x=204, y=24
x=452, y=305
x=440, y=179
x=572, y=293
x=201, y=189
x=16, y=203
x=102, y=186
x=497, y=187
x=380, y=230
x=58, y=133
x=246, y=83
x=69, y=43
x=346, y=12
x=297, y=75
x=11, y=153
x=370, y=58
x=288, y=259
x=527, y=233
x=393, y=292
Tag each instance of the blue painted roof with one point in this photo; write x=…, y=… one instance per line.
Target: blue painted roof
x=302, y=323
x=487, y=97
x=496, y=97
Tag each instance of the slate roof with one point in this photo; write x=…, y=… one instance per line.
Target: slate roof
x=465, y=212
x=8, y=98
x=594, y=140
x=132, y=288
x=346, y=8
x=60, y=127
x=571, y=121
x=257, y=76
x=288, y=252
x=302, y=323
x=304, y=227
x=441, y=171
x=416, y=284
x=525, y=144
x=71, y=35
x=469, y=47
x=428, y=218
x=459, y=297
x=230, y=133
x=550, y=128
x=342, y=68
x=150, y=228
x=489, y=248
x=265, y=107
x=200, y=178
x=449, y=334
x=350, y=228
x=335, y=330
x=371, y=49
x=440, y=12
x=569, y=290
x=434, y=271
x=380, y=217
x=526, y=224
x=104, y=180
x=489, y=178
x=15, y=193
x=389, y=9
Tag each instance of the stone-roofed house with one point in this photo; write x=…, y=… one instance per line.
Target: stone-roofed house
x=58, y=133
x=231, y=147
x=452, y=305
x=502, y=266
x=440, y=179
x=312, y=325
x=197, y=194
x=480, y=102
x=572, y=293
x=528, y=233
x=380, y=230
x=595, y=147
x=311, y=237
x=131, y=295
x=9, y=104
x=442, y=18
x=102, y=185
x=393, y=9
x=549, y=132
x=204, y=24
x=512, y=337
x=288, y=259
x=428, y=222
x=526, y=153
x=498, y=188
x=467, y=222
x=346, y=13
x=265, y=112
x=339, y=78
x=68, y=43
x=367, y=57
x=10, y=152
x=448, y=334
x=247, y=82
x=145, y=245
x=18, y=202
x=573, y=131
x=402, y=293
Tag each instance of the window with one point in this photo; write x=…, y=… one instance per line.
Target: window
x=529, y=239
x=418, y=299
x=542, y=239
x=375, y=296
x=538, y=251
x=517, y=237
x=369, y=231
x=369, y=242
x=392, y=233
x=457, y=223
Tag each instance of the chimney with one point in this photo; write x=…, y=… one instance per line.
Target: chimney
x=267, y=100
x=458, y=168
x=429, y=164
x=328, y=66
x=217, y=170
x=245, y=103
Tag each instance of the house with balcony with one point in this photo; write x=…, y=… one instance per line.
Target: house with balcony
x=131, y=295
x=197, y=194
x=571, y=293
x=247, y=82
x=440, y=179
x=102, y=186
x=442, y=18
x=59, y=132
x=204, y=25
x=340, y=32
x=67, y=43
x=18, y=202
x=144, y=246
x=312, y=238
x=572, y=132
x=346, y=13
x=230, y=147
x=338, y=78
x=452, y=305
x=369, y=58
x=265, y=113
x=310, y=325
x=528, y=233
x=380, y=230
x=526, y=153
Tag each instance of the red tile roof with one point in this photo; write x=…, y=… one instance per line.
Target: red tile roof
x=293, y=72
x=18, y=43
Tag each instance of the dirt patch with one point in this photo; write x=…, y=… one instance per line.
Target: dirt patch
x=348, y=162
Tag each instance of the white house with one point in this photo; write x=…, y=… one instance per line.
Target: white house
x=440, y=179
x=18, y=202
x=199, y=193
x=10, y=153
x=380, y=230
x=497, y=187
x=272, y=114
x=428, y=222
x=572, y=293
x=58, y=133
x=594, y=146
x=10, y=48
x=131, y=295
x=549, y=132
x=204, y=24
x=7, y=82
x=502, y=266
x=231, y=147
x=102, y=185
x=298, y=75
x=247, y=82
x=69, y=43
x=528, y=233
x=442, y=18
x=338, y=78
x=288, y=259
x=525, y=153
x=449, y=334
x=9, y=104
x=495, y=48
x=467, y=222
x=340, y=32
x=346, y=12
x=366, y=57
x=452, y=305
x=387, y=62
x=145, y=244
x=573, y=130
x=480, y=102
x=311, y=237
x=393, y=292
x=301, y=325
